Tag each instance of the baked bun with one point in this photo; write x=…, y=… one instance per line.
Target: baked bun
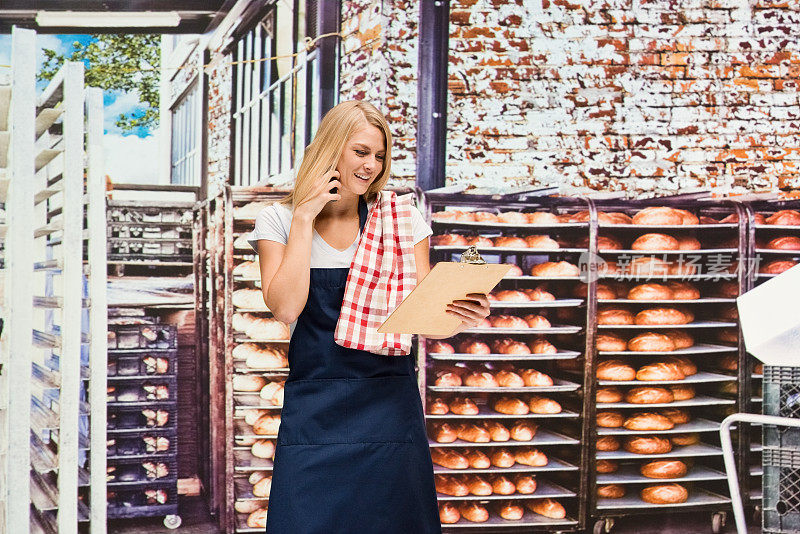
x=605, y=292
x=777, y=266
x=249, y=298
x=273, y=392
x=687, y=217
x=649, y=395
x=539, y=294
x=681, y=338
x=657, y=216
x=267, y=425
x=559, y=268
x=463, y=406
x=536, y=321
x=437, y=406
x=449, y=240
x=534, y=378
x=610, y=419
x=248, y=507
x=513, y=217
x=510, y=406
x=604, y=242
x=682, y=393
x=648, y=266
x=665, y=494
x=262, y=487
x=784, y=218
x=614, y=316
x=651, y=292
x=248, y=269
x=524, y=484
x=542, y=346
x=664, y=469
x=263, y=448
x=580, y=216
x=440, y=347
x=530, y=457
x=478, y=485
x=659, y=371
x=541, y=242
x=687, y=242
x=485, y=216
x=480, y=241
x=608, y=342
x=784, y=243
x=686, y=365
x=509, y=379
x=615, y=370
x=507, y=321
x=655, y=242
x=607, y=395
x=514, y=270
x=257, y=519
x=503, y=458
x=449, y=485
x=542, y=217
x=508, y=295
x=523, y=431
x=473, y=346
x=267, y=328
x=447, y=380
x=729, y=362
x=705, y=219
x=444, y=215
x=683, y=291
x=616, y=217
x=648, y=421
x=477, y=459
x=727, y=289
x=443, y=433
x=647, y=445
x=651, y=342
x=611, y=491
x=509, y=346
x=448, y=513
x=682, y=440
x=728, y=335
x=248, y=383
x=510, y=510
x=473, y=433
x=543, y=405
x=507, y=241
x=677, y=415
x=608, y=443
x=661, y=316
x=547, y=508
x=503, y=486
x=604, y=467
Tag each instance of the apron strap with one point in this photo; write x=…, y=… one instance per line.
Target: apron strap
x=362, y=213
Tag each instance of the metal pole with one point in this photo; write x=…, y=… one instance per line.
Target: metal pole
x=329, y=14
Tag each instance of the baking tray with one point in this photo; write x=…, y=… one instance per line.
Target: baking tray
x=560, y=355
x=632, y=252
x=528, y=278
x=784, y=227
x=506, y=226
x=558, y=386
x=697, y=497
x=558, y=303
x=696, y=324
x=245, y=462
x=695, y=425
x=542, y=437
x=700, y=348
x=553, y=464
x=647, y=277
x=544, y=490
x=700, y=449
x=510, y=250
x=629, y=474
x=701, y=377
x=244, y=339
x=529, y=520
x=699, y=400
x=251, y=401
x=241, y=368
x=704, y=300
x=485, y=412
x=243, y=430
x=655, y=228
x=774, y=251
x=756, y=470
x=241, y=524
x=251, y=310
x=555, y=329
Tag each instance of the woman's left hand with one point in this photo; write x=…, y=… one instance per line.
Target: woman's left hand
x=472, y=310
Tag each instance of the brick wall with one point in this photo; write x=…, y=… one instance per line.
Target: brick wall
x=648, y=96
x=219, y=75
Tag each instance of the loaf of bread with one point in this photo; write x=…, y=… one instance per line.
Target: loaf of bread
x=660, y=371
x=509, y=346
x=248, y=383
x=665, y=494
x=473, y=511
x=658, y=216
x=777, y=266
x=478, y=485
x=528, y=456
x=610, y=419
x=437, y=406
x=541, y=242
x=651, y=292
x=683, y=290
x=681, y=393
x=615, y=370
x=448, y=458
x=248, y=269
x=648, y=421
x=607, y=443
x=649, y=395
x=267, y=328
x=480, y=241
x=604, y=467
x=464, y=406
x=449, y=485
x=784, y=243
x=609, y=394
x=655, y=241
x=509, y=379
x=257, y=519
x=503, y=458
x=248, y=298
x=536, y=321
x=273, y=393
x=449, y=240
x=661, y=316
x=262, y=487
x=510, y=406
x=265, y=357
x=507, y=321
x=477, y=459
x=440, y=347
x=473, y=346
x=507, y=241
x=608, y=342
x=686, y=365
x=447, y=379
x=611, y=491
x=542, y=217
x=651, y=342
x=647, y=445
x=543, y=405
x=478, y=379
x=267, y=425
x=502, y=486
x=681, y=338
x=687, y=217
x=443, y=433
x=547, y=508
x=664, y=469
x=677, y=415
x=534, y=378
x=560, y=268
x=614, y=316
x=524, y=484
x=542, y=346
x=248, y=507
x=784, y=218
x=682, y=440
x=508, y=295
x=263, y=448
x=448, y=513
x=473, y=433
x=523, y=430
x=497, y=432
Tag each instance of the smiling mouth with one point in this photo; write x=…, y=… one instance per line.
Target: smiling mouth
x=362, y=177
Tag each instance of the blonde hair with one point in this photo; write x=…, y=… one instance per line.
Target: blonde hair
x=322, y=155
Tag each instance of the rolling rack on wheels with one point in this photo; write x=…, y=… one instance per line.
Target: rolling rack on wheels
x=142, y=455
x=666, y=355
x=504, y=414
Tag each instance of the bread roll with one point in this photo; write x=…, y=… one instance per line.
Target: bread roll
x=547, y=508
x=615, y=370
x=523, y=431
x=263, y=448
x=257, y=519
x=448, y=485
x=538, y=294
x=606, y=395
x=728, y=335
x=524, y=484
x=655, y=242
x=687, y=217
x=536, y=321
x=513, y=270
x=513, y=217
x=610, y=419
x=262, y=487
x=647, y=445
x=681, y=393
x=784, y=218
x=686, y=365
x=660, y=371
x=541, y=242
x=266, y=358
x=784, y=243
x=509, y=379
x=478, y=485
x=248, y=269
x=649, y=395
x=473, y=346
x=560, y=268
x=267, y=328
x=683, y=290
x=661, y=316
x=497, y=432
x=509, y=346
x=473, y=433
x=651, y=342
x=648, y=421
x=542, y=217
x=503, y=458
x=463, y=406
x=608, y=342
x=580, y=216
x=665, y=494
x=507, y=241
x=651, y=292
x=607, y=443
x=477, y=459
x=449, y=240
x=443, y=433
x=248, y=383
x=534, y=378
x=509, y=295
x=478, y=379
x=648, y=266
x=437, y=406
x=485, y=216
x=502, y=486
x=480, y=241
x=682, y=440
x=677, y=415
x=448, y=513
x=664, y=469
x=704, y=219
x=542, y=405
x=507, y=321
x=248, y=298
x=687, y=242
x=777, y=266
x=510, y=406
x=681, y=338
x=611, y=491
x=248, y=507
x=604, y=467
x=447, y=380
x=267, y=425
x=448, y=458
x=616, y=217
x=658, y=216
x=440, y=347
x=614, y=316
x=529, y=456
x=542, y=346
x=473, y=511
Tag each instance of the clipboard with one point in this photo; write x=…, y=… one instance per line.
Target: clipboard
x=423, y=311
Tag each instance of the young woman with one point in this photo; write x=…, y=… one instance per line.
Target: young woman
x=352, y=453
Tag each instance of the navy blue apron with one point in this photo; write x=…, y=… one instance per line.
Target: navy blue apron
x=352, y=454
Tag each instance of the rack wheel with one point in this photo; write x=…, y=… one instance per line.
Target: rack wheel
x=718, y=522
x=172, y=521
x=603, y=525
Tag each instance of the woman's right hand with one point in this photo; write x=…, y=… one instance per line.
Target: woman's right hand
x=320, y=196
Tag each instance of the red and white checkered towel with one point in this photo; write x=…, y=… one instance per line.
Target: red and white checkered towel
x=382, y=274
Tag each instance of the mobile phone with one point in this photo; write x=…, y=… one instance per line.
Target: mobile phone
x=334, y=190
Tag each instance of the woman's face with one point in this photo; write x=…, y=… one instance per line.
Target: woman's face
x=362, y=159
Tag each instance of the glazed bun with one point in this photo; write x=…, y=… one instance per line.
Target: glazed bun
x=610, y=343
x=655, y=242
x=463, y=406
x=651, y=292
x=614, y=316
x=651, y=342
x=509, y=346
x=448, y=513
x=437, y=406
x=611, y=491
x=507, y=241
x=683, y=291
x=649, y=395
x=513, y=217
x=449, y=240
x=784, y=218
x=473, y=346
x=440, y=347
x=665, y=494
x=485, y=216
x=543, y=405
x=503, y=458
x=610, y=419
x=784, y=243
x=661, y=316
x=659, y=371
x=509, y=295
x=687, y=242
x=658, y=216
x=534, y=378
x=539, y=294
x=541, y=242
x=542, y=217
x=615, y=370
x=560, y=268
x=681, y=393
x=664, y=469
x=606, y=466
x=542, y=346
x=648, y=421
x=536, y=321
x=777, y=266
x=606, y=395
x=608, y=443
x=510, y=406
x=507, y=321
x=647, y=445
x=648, y=266
x=681, y=338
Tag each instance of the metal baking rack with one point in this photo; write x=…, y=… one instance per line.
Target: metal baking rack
x=707, y=407
x=560, y=435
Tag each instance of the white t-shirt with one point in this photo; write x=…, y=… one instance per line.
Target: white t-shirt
x=274, y=222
